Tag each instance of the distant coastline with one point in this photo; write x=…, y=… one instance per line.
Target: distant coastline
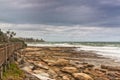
x=32, y=40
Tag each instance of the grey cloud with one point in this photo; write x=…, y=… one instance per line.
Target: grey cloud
x=60, y=12
x=62, y=33
x=50, y=11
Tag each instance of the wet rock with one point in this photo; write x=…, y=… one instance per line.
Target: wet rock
x=60, y=62
x=21, y=61
x=80, y=66
x=52, y=73
x=100, y=78
x=113, y=75
x=43, y=76
x=65, y=78
x=110, y=68
x=77, y=64
x=86, y=65
x=55, y=63
x=89, y=65
x=49, y=61
x=27, y=69
x=42, y=65
x=82, y=76
x=69, y=70
x=57, y=70
x=94, y=72
x=103, y=70
x=74, y=63
x=37, y=71
x=30, y=77
x=117, y=79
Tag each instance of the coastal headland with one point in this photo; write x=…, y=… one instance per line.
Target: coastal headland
x=66, y=63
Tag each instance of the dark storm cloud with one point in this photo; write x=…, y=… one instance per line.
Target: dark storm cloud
x=61, y=12
x=62, y=20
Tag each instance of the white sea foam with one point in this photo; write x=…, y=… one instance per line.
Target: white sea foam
x=108, y=51
x=52, y=45
x=111, y=52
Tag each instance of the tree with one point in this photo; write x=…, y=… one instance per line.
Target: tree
x=10, y=35
x=3, y=37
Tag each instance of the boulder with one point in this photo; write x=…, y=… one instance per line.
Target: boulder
x=62, y=62
x=80, y=65
x=65, y=78
x=82, y=76
x=110, y=68
x=101, y=78
x=69, y=70
x=89, y=65
x=43, y=76
x=59, y=62
x=27, y=69
x=37, y=71
x=52, y=73
x=42, y=65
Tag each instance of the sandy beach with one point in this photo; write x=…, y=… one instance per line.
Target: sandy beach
x=66, y=63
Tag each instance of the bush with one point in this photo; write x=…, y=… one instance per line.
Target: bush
x=18, y=40
x=13, y=73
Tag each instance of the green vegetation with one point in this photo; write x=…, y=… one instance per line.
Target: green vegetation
x=18, y=40
x=32, y=40
x=13, y=73
x=3, y=37
x=9, y=37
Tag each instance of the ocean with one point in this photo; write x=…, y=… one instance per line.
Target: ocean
x=107, y=49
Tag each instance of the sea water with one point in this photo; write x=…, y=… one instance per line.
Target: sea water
x=107, y=49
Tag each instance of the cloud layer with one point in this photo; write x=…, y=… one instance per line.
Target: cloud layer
x=61, y=12
x=64, y=33
x=62, y=19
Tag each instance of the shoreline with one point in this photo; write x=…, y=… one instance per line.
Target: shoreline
x=40, y=61
x=106, y=51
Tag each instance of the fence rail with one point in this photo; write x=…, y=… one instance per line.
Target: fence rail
x=7, y=50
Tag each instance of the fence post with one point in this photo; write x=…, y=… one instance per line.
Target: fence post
x=5, y=64
x=1, y=72
x=8, y=53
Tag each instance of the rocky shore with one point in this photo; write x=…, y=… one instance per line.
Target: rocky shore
x=65, y=63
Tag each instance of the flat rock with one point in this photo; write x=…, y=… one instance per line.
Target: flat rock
x=42, y=65
x=59, y=62
x=65, y=78
x=27, y=69
x=69, y=70
x=81, y=76
x=43, y=76
x=110, y=68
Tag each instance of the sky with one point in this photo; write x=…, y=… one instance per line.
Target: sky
x=62, y=20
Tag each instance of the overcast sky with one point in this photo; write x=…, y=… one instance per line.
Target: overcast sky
x=62, y=20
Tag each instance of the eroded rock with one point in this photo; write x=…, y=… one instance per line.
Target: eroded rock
x=42, y=65
x=69, y=70
x=82, y=76
x=110, y=68
x=65, y=78
x=59, y=62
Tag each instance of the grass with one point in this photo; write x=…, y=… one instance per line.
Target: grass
x=13, y=73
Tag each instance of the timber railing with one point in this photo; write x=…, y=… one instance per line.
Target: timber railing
x=6, y=51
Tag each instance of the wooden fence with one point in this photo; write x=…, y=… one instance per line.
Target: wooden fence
x=7, y=51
